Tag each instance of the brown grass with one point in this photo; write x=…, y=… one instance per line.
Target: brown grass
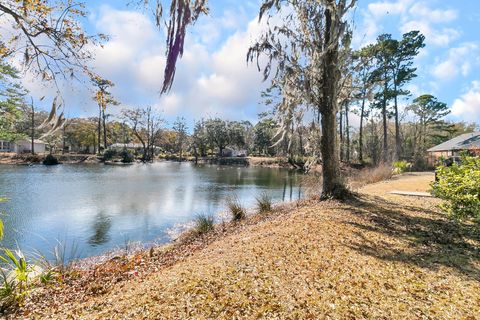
x=371, y=175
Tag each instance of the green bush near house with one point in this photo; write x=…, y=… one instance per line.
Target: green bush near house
x=459, y=186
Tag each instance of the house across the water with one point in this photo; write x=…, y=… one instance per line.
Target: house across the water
x=22, y=146
x=466, y=142
x=233, y=152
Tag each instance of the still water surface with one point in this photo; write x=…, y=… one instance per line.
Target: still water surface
x=100, y=208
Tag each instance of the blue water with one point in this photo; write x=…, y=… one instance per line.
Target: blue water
x=98, y=208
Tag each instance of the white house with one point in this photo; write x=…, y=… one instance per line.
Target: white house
x=233, y=152
x=22, y=146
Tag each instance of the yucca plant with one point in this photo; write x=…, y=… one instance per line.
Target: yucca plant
x=237, y=211
x=204, y=223
x=264, y=203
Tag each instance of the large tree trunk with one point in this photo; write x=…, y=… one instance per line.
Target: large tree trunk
x=333, y=184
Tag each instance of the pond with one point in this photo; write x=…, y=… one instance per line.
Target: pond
x=97, y=208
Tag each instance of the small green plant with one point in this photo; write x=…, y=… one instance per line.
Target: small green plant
x=401, y=167
x=204, y=223
x=47, y=277
x=50, y=160
x=15, y=277
x=237, y=211
x=2, y=227
x=7, y=291
x=264, y=203
x=459, y=186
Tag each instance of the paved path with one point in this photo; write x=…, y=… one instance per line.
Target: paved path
x=412, y=193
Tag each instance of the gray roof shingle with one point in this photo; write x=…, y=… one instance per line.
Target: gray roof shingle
x=462, y=142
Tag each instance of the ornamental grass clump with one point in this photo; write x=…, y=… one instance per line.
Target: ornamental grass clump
x=459, y=186
x=237, y=211
x=204, y=223
x=264, y=203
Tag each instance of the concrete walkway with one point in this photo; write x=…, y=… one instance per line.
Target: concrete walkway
x=412, y=194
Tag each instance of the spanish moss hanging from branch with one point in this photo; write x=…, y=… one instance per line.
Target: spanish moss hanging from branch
x=182, y=14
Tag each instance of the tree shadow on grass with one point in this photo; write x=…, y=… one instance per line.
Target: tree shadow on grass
x=427, y=239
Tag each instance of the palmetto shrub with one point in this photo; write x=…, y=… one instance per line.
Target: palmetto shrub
x=237, y=211
x=401, y=167
x=204, y=223
x=264, y=203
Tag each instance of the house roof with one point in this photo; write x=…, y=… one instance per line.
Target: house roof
x=127, y=145
x=462, y=142
x=29, y=141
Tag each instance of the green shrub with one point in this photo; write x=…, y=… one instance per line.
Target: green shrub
x=109, y=154
x=264, y=203
x=50, y=160
x=204, y=223
x=127, y=156
x=459, y=186
x=237, y=211
x=401, y=167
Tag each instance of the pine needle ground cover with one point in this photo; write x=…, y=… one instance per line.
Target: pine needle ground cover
x=381, y=256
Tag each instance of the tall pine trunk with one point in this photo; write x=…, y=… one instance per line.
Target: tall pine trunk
x=347, y=132
x=398, y=141
x=385, y=123
x=340, y=132
x=360, y=139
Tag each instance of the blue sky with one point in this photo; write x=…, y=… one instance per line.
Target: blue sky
x=213, y=78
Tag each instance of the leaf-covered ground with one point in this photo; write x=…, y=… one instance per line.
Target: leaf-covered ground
x=381, y=256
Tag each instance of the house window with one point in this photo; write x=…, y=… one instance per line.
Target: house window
x=4, y=146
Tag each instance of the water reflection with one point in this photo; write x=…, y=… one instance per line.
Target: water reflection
x=101, y=226
x=100, y=206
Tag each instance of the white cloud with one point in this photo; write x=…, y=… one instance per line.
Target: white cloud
x=383, y=8
x=433, y=15
x=439, y=37
x=468, y=105
x=413, y=15
x=458, y=62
